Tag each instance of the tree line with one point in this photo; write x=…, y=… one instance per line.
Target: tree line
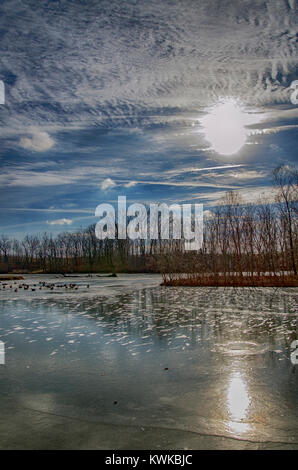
x=239, y=237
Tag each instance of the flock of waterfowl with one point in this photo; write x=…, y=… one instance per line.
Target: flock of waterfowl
x=40, y=286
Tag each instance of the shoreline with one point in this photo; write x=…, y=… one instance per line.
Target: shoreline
x=177, y=281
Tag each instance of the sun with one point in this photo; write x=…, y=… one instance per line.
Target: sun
x=224, y=127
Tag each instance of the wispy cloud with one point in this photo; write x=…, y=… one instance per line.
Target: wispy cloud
x=243, y=175
x=60, y=222
x=130, y=184
x=251, y=195
x=52, y=210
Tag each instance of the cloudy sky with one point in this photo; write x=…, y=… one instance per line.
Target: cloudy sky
x=158, y=100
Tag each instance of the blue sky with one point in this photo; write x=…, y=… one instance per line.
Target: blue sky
x=108, y=98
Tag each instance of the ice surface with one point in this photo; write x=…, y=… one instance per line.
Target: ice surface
x=128, y=364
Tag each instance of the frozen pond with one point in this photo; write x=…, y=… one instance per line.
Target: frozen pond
x=122, y=363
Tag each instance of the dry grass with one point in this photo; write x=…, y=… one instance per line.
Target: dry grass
x=231, y=281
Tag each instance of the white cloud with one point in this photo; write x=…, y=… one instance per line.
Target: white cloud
x=108, y=183
x=208, y=214
x=39, y=141
x=130, y=184
x=60, y=222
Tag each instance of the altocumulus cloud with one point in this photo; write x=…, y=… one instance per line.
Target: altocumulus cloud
x=96, y=58
x=60, y=222
x=39, y=141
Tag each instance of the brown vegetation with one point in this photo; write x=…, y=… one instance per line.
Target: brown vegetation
x=11, y=278
x=231, y=281
x=245, y=244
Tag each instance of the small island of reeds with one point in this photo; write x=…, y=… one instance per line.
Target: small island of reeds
x=235, y=280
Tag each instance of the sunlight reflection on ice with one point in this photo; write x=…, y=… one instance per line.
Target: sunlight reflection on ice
x=238, y=401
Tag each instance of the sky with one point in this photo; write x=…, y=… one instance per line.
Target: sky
x=172, y=101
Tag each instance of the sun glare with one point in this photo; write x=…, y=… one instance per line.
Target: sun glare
x=224, y=127
x=238, y=403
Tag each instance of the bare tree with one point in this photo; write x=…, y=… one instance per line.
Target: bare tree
x=286, y=179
